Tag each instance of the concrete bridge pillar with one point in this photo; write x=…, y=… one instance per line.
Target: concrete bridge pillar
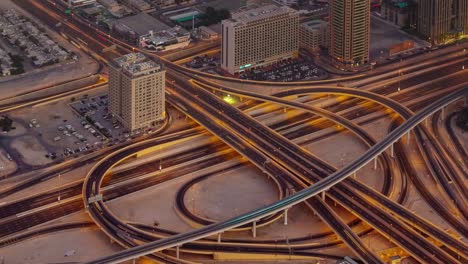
x=254, y=229
x=286, y=217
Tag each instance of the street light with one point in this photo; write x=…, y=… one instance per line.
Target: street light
x=58, y=198
x=399, y=80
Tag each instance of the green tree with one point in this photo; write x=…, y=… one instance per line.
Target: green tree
x=6, y=124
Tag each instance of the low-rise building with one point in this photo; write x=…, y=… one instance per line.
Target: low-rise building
x=208, y=33
x=33, y=41
x=133, y=27
x=399, y=12
x=286, y=2
x=5, y=63
x=172, y=38
x=141, y=5
x=110, y=5
x=80, y=3
x=314, y=34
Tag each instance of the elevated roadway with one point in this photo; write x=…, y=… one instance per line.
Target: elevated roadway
x=298, y=197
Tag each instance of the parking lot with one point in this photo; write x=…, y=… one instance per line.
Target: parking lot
x=290, y=70
x=299, y=69
x=63, y=129
x=53, y=132
x=204, y=62
x=102, y=125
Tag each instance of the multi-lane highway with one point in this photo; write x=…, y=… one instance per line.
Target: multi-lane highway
x=300, y=196
x=287, y=163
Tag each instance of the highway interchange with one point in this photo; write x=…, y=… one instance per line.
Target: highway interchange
x=300, y=175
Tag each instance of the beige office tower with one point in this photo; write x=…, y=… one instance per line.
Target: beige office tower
x=350, y=32
x=258, y=37
x=136, y=90
x=435, y=19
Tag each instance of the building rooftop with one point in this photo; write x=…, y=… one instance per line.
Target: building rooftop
x=141, y=24
x=246, y=16
x=137, y=64
x=313, y=25
x=165, y=36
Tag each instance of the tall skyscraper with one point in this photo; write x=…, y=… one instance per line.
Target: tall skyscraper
x=136, y=90
x=259, y=36
x=461, y=14
x=435, y=19
x=350, y=32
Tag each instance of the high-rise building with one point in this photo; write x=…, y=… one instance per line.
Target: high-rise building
x=350, y=32
x=399, y=12
x=435, y=19
x=461, y=14
x=136, y=90
x=259, y=36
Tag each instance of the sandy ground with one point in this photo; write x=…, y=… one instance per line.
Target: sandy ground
x=6, y=166
x=31, y=150
x=216, y=199
x=50, y=75
x=49, y=116
x=38, y=250
x=155, y=204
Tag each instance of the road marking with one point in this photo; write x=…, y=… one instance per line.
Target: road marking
x=48, y=206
